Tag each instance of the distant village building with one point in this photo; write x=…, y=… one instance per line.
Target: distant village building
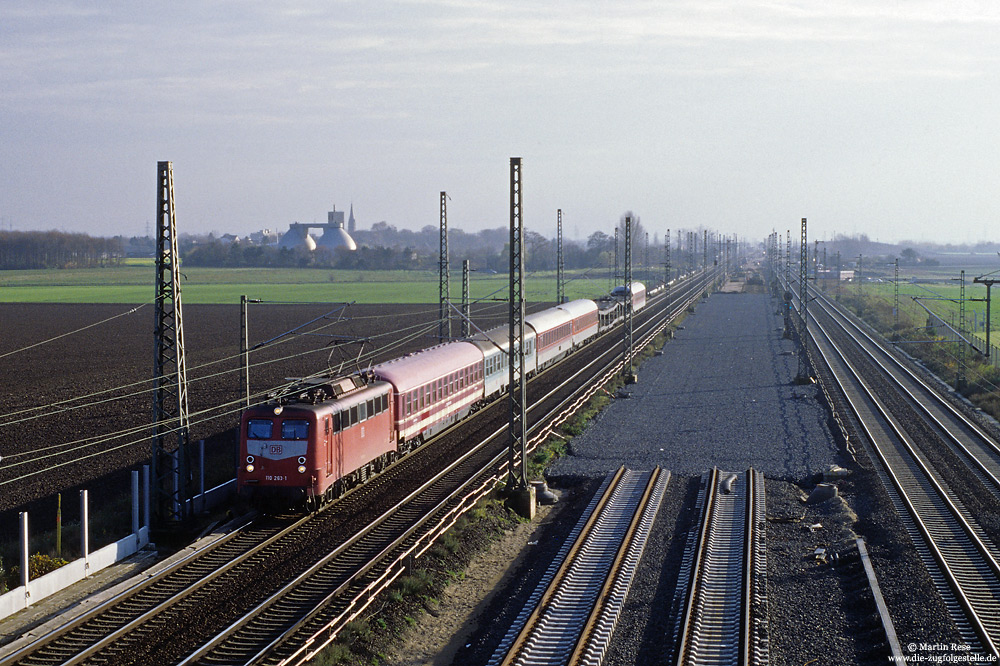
x=334, y=235
x=264, y=237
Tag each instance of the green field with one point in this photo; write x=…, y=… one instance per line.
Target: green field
x=935, y=297
x=133, y=283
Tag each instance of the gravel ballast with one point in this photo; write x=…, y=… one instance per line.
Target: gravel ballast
x=721, y=394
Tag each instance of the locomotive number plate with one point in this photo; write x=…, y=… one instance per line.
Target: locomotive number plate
x=275, y=478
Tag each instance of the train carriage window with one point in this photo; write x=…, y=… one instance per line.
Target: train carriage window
x=259, y=428
x=336, y=422
x=371, y=408
x=385, y=402
x=294, y=429
x=354, y=414
x=362, y=412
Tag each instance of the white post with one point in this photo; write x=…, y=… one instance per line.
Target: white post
x=23, y=515
x=145, y=495
x=135, y=505
x=85, y=531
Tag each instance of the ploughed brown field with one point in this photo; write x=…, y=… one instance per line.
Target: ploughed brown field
x=120, y=353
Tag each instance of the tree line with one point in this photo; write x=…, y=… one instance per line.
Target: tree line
x=56, y=249
x=385, y=248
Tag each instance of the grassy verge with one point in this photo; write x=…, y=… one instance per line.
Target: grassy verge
x=982, y=386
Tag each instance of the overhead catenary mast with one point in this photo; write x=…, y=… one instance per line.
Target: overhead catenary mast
x=560, y=265
x=444, y=291
x=517, y=482
x=170, y=401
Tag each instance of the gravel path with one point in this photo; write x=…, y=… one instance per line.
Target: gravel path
x=721, y=394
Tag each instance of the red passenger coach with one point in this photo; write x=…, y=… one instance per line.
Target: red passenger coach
x=553, y=335
x=434, y=388
x=325, y=439
x=584, y=314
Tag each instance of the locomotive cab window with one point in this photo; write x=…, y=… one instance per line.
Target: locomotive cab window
x=294, y=429
x=371, y=408
x=259, y=429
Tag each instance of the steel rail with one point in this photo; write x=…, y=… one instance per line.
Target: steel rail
x=965, y=436
x=719, y=620
x=942, y=524
x=599, y=627
x=570, y=617
x=560, y=575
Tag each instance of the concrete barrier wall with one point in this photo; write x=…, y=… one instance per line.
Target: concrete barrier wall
x=75, y=571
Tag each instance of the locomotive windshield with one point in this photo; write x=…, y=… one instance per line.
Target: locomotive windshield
x=259, y=429
x=294, y=429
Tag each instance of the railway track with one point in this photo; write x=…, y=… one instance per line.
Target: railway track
x=337, y=560
x=956, y=429
x=961, y=559
x=724, y=611
x=571, y=616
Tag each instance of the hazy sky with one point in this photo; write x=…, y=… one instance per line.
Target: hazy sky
x=873, y=116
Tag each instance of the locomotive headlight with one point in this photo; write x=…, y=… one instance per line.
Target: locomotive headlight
x=250, y=460
x=302, y=469
x=302, y=460
x=250, y=468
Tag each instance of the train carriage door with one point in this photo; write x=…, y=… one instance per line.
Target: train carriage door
x=340, y=422
x=328, y=445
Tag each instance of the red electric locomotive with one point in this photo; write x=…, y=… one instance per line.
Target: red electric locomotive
x=330, y=435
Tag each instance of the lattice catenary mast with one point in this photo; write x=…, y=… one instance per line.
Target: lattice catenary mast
x=560, y=265
x=444, y=291
x=627, y=372
x=518, y=440
x=803, y=374
x=170, y=402
x=466, y=309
